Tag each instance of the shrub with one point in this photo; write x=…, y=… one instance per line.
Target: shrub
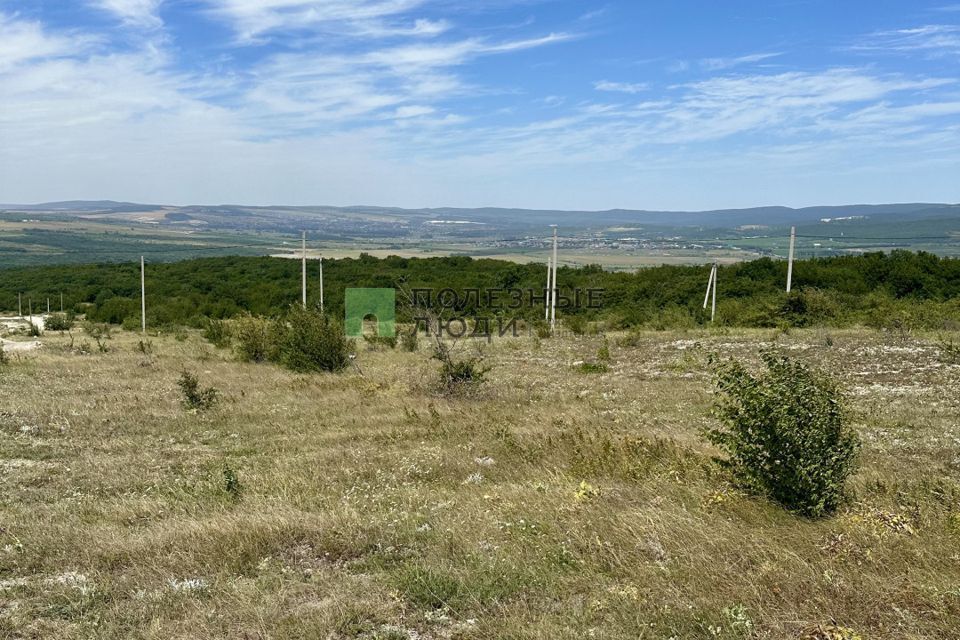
x=308, y=341
x=389, y=342
x=217, y=332
x=253, y=340
x=33, y=330
x=785, y=433
x=4, y=358
x=59, y=322
x=193, y=396
x=458, y=374
x=409, y=340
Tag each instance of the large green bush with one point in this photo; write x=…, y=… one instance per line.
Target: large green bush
x=307, y=340
x=252, y=340
x=785, y=433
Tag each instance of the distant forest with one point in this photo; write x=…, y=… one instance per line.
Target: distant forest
x=899, y=289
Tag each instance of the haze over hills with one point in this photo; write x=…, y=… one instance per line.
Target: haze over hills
x=284, y=218
x=84, y=231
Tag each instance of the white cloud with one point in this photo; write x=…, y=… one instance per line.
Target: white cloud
x=254, y=18
x=933, y=40
x=621, y=87
x=23, y=41
x=716, y=64
x=140, y=13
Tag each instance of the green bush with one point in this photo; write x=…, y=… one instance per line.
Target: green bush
x=307, y=341
x=217, y=332
x=785, y=433
x=59, y=322
x=193, y=396
x=253, y=339
x=4, y=358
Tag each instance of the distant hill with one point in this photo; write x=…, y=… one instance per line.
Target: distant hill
x=372, y=220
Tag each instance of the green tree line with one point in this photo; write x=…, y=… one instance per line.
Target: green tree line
x=900, y=288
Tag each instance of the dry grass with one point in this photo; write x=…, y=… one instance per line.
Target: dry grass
x=553, y=504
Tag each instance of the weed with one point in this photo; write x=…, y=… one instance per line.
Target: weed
x=409, y=340
x=231, y=481
x=949, y=350
x=195, y=398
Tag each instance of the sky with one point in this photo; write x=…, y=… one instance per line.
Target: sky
x=546, y=104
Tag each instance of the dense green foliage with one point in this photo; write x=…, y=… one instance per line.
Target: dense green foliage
x=309, y=341
x=900, y=289
x=302, y=340
x=785, y=433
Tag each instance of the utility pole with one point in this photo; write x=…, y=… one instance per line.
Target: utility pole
x=61, y=302
x=321, y=284
x=553, y=291
x=712, y=288
x=713, y=311
x=20, y=305
x=143, y=297
x=793, y=242
x=546, y=304
x=48, y=306
x=303, y=277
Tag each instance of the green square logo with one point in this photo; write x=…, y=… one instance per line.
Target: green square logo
x=362, y=303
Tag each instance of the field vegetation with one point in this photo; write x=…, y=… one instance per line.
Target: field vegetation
x=374, y=503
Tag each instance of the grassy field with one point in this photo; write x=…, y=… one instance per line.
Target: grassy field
x=551, y=504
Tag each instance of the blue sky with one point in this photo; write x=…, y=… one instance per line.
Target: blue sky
x=515, y=103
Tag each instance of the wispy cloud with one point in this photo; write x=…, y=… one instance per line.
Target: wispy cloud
x=932, y=40
x=24, y=41
x=716, y=64
x=256, y=18
x=140, y=13
x=620, y=87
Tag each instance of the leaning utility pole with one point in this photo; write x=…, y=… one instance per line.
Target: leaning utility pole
x=143, y=297
x=793, y=241
x=712, y=287
x=303, y=277
x=553, y=290
x=713, y=311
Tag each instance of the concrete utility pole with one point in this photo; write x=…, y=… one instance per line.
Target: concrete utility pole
x=20, y=305
x=713, y=311
x=712, y=288
x=706, y=298
x=321, y=284
x=553, y=291
x=303, y=278
x=143, y=297
x=793, y=242
x=48, y=306
x=546, y=301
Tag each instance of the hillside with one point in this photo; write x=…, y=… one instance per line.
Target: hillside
x=76, y=232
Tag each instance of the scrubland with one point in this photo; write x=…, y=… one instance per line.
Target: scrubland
x=554, y=501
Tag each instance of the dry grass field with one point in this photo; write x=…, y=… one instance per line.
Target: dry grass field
x=550, y=504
